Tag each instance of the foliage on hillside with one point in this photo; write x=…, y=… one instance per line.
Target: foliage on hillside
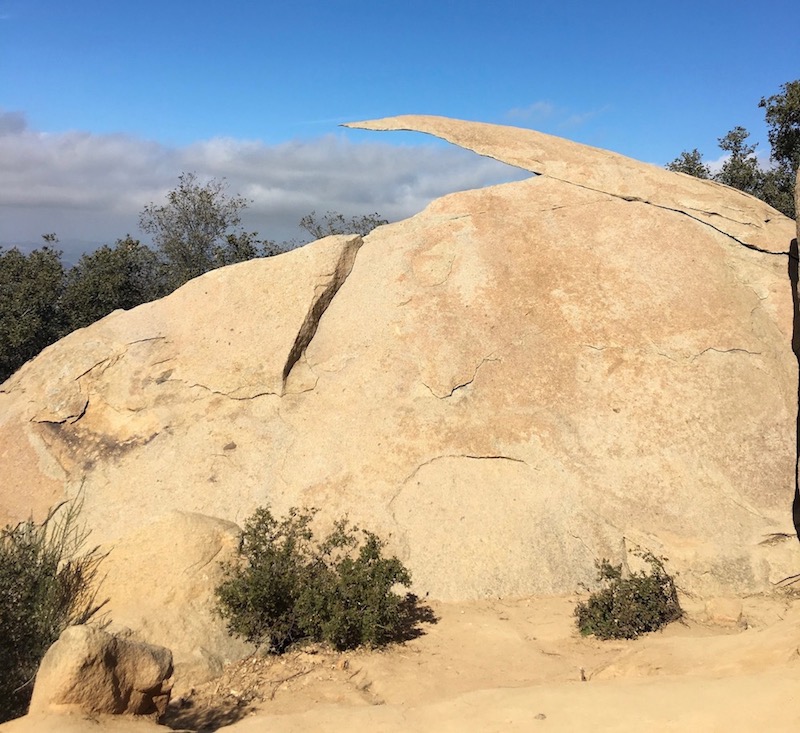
x=197, y=230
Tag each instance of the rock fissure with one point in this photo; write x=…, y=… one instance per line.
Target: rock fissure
x=464, y=456
x=580, y=539
x=455, y=456
x=457, y=387
x=148, y=338
x=746, y=507
x=322, y=301
x=446, y=276
x=637, y=200
x=108, y=361
x=229, y=395
x=722, y=231
x=726, y=351
x=67, y=419
x=598, y=348
x=794, y=279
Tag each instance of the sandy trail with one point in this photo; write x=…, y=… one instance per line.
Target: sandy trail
x=521, y=665
x=517, y=665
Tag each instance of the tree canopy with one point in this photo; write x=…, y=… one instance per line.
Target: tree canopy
x=30, y=316
x=123, y=276
x=690, y=162
x=198, y=229
x=741, y=168
x=782, y=112
x=335, y=223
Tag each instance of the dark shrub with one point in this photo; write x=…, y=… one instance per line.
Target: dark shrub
x=44, y=587
x=285, y=588
x=628, y=607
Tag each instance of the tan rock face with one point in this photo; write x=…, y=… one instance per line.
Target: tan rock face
x=91, y=671
x=508, y=386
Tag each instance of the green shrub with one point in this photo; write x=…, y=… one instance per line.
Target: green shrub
x=44, y=587
x=285, y=588
x=628, y=607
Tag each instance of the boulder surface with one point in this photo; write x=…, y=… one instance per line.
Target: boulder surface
x=160, y=582
x=91, y=671
x=509, y=386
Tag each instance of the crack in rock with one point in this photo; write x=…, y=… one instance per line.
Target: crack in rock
x=144, y=340
x=454, y=389
x=67, y=419
x=229, y=395
x=107, y=362
x=734, y=350
x=638, y=200
x=726, y=351
x=464, y=456
x=721, y=231
x=580, y=539
x=322, y=300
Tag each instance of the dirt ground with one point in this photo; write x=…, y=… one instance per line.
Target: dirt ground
x=507, y=665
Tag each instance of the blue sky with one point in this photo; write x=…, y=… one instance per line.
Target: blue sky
x=103, y=104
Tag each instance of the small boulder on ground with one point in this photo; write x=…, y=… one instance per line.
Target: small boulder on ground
x=91, y=671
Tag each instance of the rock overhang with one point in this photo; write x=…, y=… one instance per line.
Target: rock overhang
x=742, y=217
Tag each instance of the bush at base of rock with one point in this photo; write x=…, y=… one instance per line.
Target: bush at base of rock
x=286, y=588
x=44, y=587
x=629, y=607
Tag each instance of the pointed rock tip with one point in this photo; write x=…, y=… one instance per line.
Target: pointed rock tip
x=745, y=219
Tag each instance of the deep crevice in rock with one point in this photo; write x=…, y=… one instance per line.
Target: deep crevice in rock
x=793, y=278
x=309, y=328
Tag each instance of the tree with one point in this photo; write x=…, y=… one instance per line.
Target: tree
x=335, y=223
x=123, y=276
x=30, y=314
x=690, y=163
x=191, y=229
x=782, y=112
x=741, y=169
x=243, y=246
x=777, y=189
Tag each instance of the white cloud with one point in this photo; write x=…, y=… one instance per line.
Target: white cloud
x=762, y=156
x=537, y=111
x=581, y=118
x=92, y=187
x=551, y=115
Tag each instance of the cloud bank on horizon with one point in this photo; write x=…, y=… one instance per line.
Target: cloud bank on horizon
x=89, y=188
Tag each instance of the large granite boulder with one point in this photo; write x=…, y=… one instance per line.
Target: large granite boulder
x=512, y=384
